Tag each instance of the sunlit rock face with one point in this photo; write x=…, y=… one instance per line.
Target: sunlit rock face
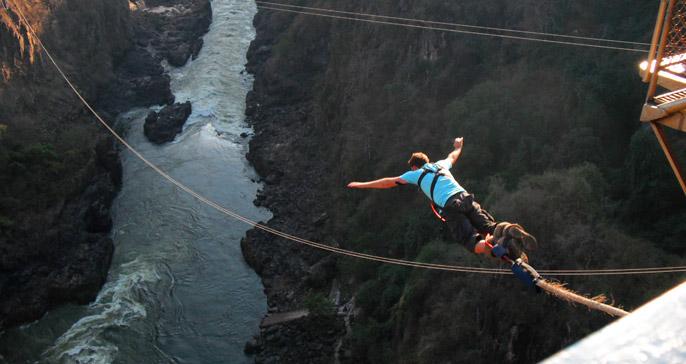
x=17, y=46
x=86, y=37
x=654, y=333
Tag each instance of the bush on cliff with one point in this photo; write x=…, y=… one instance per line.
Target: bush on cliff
x=319, y=305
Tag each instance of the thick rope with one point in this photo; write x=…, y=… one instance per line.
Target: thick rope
x=559, y=291
x=451, y=30
x=216, y=206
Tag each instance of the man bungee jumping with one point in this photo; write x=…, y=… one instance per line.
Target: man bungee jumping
x=467, y=222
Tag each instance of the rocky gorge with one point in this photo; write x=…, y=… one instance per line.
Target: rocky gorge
x=336, y=101
x=60, y=171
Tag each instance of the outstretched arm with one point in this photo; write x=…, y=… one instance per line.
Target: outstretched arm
x=455, y=154
x=388, y=182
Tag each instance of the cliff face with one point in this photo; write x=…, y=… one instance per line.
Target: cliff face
x=86, y=37
x=551, y=141
x=59, y=170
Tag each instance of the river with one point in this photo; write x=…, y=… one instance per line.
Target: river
x=178, y=290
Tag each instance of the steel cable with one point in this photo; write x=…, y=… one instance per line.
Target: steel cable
x=552, y=35
x=505, y=36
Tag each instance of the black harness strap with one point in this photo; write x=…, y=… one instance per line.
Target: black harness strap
x=437, y=174
x=433, y=185
x=424, y=173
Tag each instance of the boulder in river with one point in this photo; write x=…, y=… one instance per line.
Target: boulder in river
x=161, y=127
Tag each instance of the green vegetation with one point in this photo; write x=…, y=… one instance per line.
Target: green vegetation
x=319, y=305
x=567, y=211
x=5, y=222
x=31, y=171
x=39, y=170
x=552, y=141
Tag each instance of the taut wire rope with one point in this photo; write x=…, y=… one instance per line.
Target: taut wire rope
x=216, y=206
x=506, y=30
x=470, y=32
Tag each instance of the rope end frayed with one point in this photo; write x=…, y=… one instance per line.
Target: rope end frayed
x=598, y=303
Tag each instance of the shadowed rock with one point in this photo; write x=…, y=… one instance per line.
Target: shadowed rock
x=162, y=127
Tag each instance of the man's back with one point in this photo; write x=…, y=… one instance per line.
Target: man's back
x=446, y=185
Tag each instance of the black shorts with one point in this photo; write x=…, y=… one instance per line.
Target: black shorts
x=467, y=221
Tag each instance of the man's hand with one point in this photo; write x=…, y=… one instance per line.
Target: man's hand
x=455, y=154
x=458, y=142
x=354, y=185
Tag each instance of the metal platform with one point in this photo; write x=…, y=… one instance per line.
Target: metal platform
x=666, y=68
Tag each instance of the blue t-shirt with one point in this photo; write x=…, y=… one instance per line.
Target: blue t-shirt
x=446, y=186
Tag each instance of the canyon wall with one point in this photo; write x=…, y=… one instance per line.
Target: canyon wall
x=552, y=141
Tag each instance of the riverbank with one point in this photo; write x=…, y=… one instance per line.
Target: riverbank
x=284, y=153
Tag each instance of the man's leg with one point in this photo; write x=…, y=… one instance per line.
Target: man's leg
x=461, y=229
x=478, y=217
x=481, y=219
x=484, y=223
